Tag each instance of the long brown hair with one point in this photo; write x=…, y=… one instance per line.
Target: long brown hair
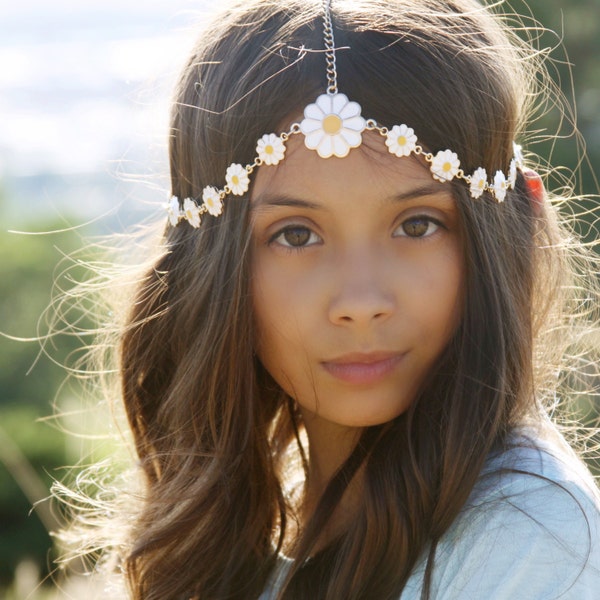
x=211, y=428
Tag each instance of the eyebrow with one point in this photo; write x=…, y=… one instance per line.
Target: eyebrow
x=266, y=200
x=430, y=189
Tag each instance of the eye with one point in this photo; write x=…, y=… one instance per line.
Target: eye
x=295, y=236
x=418, y=226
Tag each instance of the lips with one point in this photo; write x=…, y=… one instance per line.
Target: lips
x=363, y=368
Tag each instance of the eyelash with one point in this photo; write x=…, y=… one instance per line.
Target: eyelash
x=278, y=237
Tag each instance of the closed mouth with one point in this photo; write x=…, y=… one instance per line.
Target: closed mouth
x=363, y=368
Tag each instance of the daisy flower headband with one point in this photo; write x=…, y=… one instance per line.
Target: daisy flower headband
x=332, y=126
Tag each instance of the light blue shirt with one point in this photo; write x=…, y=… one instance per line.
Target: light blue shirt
x=527, y=535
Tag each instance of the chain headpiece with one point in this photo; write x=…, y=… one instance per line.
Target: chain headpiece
x=332, y=126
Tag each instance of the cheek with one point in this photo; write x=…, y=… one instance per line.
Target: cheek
x=277, y=319
x=263, y=304
x=433, y=297
x=279, y=345
x=286, y=306
x=445, y=297
x=286, y=298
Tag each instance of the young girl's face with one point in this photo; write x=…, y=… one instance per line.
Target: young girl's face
x=357, y=272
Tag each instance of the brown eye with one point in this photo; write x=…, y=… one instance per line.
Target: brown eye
x=415, y=227
x=295, y=236
x=419, y=227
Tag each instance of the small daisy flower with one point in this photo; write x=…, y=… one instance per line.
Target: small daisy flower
x=478, y=182
x=401, y=140
x=445, y=165
x=173, y=211
x=332, y=125
x=212, y=200
x=518, y=154
x=270, y=149
x=237, y=179
x=512, y=174
x=500, y=186
x=191, y=212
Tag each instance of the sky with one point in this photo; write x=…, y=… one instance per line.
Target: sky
x=84, y=91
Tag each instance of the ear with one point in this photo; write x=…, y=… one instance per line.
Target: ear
x=535, y=190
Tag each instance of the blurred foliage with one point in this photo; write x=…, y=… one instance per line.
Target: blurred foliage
x=32, y=451
x=29, y=383
x=567, y=34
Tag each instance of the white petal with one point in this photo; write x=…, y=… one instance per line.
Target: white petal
x=312, y=140
x=312, y=111
x=325, y=148
x=476, y=191
x=355, y=123
x=309, y=125
x=518, y=154
x=352, y=109
x=410, y=145
x=194, y=219
x=338, y=102
x=353, y=138
x=340, y=147
x=324, y=103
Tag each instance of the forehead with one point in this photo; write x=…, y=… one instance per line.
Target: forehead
x=368, y=171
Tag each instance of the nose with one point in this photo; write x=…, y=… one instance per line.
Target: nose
x=361, y=291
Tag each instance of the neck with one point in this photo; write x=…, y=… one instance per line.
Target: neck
x=329, y=446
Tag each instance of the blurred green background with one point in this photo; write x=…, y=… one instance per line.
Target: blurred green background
x=34, y=451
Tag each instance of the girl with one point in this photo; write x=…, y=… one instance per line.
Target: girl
x=339, y=370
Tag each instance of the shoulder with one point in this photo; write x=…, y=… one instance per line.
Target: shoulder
x=530, y=530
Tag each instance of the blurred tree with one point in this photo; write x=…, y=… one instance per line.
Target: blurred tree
x=568, y=32
x=30, y=451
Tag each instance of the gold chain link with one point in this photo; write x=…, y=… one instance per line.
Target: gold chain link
x=329, y=48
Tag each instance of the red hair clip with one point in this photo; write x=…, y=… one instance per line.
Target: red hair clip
x=535, y=190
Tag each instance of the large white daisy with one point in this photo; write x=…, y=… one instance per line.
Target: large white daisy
x=332, y=125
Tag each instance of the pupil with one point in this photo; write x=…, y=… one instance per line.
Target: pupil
x=296, y=236
x=416, y=227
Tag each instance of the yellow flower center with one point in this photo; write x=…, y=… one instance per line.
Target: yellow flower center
x=235, y=180
x=447, y=167
x=269, y=149
x=401, y=141
x=210, y=202
x=481, y=184
x=332, y=124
